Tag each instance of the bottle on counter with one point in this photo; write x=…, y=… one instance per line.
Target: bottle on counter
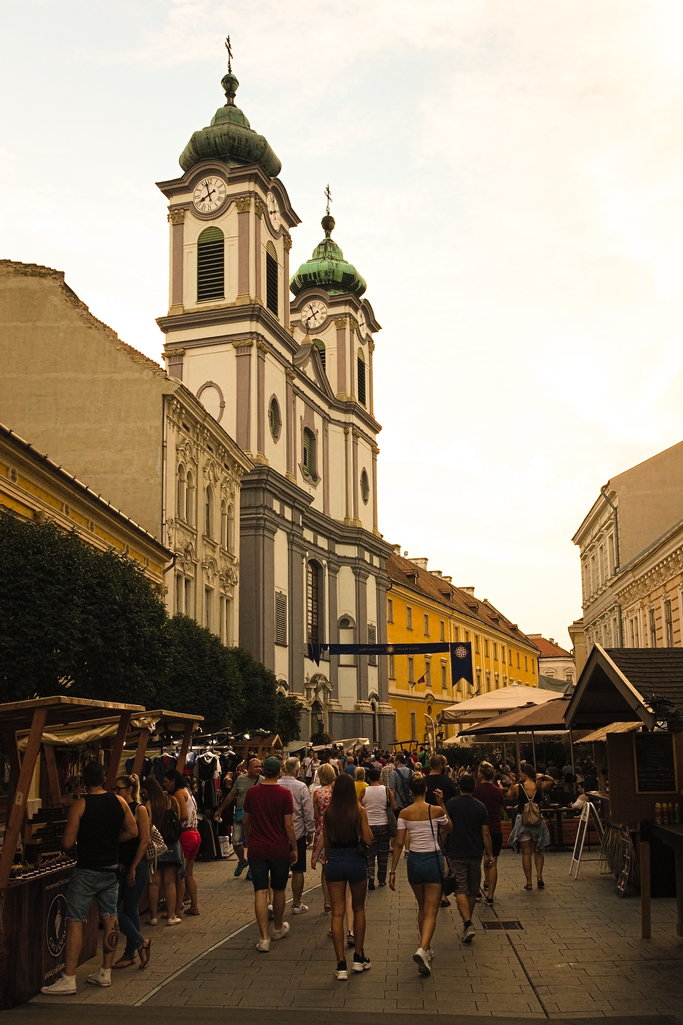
x=665, y=814
x=658, y=814
x=677, y=814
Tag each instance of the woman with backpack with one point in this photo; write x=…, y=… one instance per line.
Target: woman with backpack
x=164, y=813
x=190, y=841
x=530, y=833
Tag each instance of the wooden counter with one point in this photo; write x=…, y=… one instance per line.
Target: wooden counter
x=672, y=836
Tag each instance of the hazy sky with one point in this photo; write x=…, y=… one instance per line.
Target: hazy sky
x=507, y=176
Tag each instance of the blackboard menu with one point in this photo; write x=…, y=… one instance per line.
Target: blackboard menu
x=655, y=763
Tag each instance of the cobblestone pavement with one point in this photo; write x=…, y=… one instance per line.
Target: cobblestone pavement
x=576, y=954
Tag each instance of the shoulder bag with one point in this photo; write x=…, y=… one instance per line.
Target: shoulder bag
x=447, y=880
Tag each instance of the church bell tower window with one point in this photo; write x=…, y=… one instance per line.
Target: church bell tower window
x=271, y=280
x=210, y=265
x=361, y=380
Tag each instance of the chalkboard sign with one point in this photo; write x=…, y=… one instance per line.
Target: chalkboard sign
x=655, y=763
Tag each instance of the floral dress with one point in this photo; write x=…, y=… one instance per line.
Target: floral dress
x=321, y=802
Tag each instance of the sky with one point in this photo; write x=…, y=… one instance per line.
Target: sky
x=506, y=176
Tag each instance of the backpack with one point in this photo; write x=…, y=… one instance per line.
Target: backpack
x=170, y=827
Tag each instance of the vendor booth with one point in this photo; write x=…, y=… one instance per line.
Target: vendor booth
x=33, y=870
x=642, y=802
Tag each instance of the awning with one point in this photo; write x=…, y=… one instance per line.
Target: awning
x=615, y=727
x=545, y=718
x=486, y=706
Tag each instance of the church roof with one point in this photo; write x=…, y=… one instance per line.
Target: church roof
x=327, y=268
x=230, y=138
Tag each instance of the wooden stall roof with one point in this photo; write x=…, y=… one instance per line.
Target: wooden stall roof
x=60, y=711
x=173, y=721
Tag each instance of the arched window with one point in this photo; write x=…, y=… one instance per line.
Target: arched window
x=208, y=511
x=231, y=529
x=320, y=346
x=360, y=363
x=272, y=287
x=364, y=487
x=210, y=265
x=180, y=492
x=189, y=498
x=309, y=459
x=274, y=418
x=314, y=573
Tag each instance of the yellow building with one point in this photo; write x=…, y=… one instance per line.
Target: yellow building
x=35, y=488
x=425, y=607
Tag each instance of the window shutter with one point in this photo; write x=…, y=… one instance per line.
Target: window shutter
x=372, y=639
x=210, y=265
x=271, y=284
x=280, y=618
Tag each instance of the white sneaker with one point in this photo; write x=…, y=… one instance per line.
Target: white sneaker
x=279, y=934
x=263, y=946
x=175, y=920
x=469, y=934
x=66, y=986
x=423, y=961
x=271, y=913
x=100, y=978
x=299, y=909
x=342, y=972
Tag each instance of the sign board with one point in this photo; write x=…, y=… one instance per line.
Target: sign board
x=655, y=763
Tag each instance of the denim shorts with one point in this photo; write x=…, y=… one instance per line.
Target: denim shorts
x=345, y=865
x=424, y=867
x=267, y=872
x=86, y=884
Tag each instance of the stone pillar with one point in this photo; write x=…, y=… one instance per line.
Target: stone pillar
x=354, y=476
x=342, y=386
x=296, y=572
x=176, y=218
x=260, y=208
x=347, y=474
x=375, y=521
x=174, y=363
x=326, y=468
x=257, y=590
x=260, y=401
x=290, y=426
x=243, y=205
x=381, y=620
x=287, y=239
x=332, y=617
x=361, y=577
x=371, y=383
x=243, y=392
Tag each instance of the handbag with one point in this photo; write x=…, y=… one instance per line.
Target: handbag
x=447, y=880
x=391, y=817
x=155, y=847
x=531, y=813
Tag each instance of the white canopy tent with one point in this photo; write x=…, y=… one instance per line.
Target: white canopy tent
x=486, y=706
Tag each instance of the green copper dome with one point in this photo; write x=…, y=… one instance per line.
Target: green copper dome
x=327, y=268
x=230, y=138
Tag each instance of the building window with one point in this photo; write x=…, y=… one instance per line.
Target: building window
x=210, y=265
x=272, y=280
x=476, y=643
x=486, y=648
x=188, y=606
x=179, y=594
x=360, y=363
x=442, y=631
x=280, y=618
x=274, y=419
x=495, y=651
x=320, y=346
x=208, y=608
x=652, y=626
x=189, y=499
x=390, y=610
x=413, y=730
x=313, y=602
x=364, y=487
x=208, y=511
x=309, y=453
x=372, y=639
x=180, y=492
x=392, y=674
x=409, y=618
x=668, y=625
x=426, y=625
x=444, y=676
x=411, y=669
x=526, y=664
x=428, y=672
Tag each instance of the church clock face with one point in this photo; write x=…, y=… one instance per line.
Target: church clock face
x=313, y=314
x=209, y=195
x=362, y=323
x=273, y=211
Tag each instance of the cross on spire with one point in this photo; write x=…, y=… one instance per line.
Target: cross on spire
x=228, y=47
x=328, y=197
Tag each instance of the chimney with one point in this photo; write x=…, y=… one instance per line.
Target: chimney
x=469, y=590
x=421, y=563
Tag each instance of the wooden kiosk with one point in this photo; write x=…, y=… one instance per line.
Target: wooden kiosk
x=33, y=887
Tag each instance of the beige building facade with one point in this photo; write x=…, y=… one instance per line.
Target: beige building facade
x=139, y=438
x=631, y=549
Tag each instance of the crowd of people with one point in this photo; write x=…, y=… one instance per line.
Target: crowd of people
x=354, y=814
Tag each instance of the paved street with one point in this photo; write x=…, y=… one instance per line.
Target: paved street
x=577, y=954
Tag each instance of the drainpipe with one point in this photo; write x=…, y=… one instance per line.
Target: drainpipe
x=617, y=554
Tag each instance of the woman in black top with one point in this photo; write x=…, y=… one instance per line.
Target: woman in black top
x=531, y=840
x=134, y=875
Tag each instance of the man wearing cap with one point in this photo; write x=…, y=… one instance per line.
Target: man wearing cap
x=269, y=828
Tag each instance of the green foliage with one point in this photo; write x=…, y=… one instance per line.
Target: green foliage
x=202, y=676
x=259, y=686
x=288, y=718
x=74, y=619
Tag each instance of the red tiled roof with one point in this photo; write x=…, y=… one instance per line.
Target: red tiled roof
x=408, y=574
x=548, y=649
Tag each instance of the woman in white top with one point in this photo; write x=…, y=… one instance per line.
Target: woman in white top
x=421, y=822
x=377, y=801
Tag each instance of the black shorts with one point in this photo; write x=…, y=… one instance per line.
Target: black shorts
x=300, y=863
x=267, y=872
x=496, y=843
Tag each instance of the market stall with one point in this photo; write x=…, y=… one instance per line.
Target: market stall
x=33, y=870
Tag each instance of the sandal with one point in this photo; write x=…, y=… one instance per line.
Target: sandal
x=144, y=951
x=327, y=909
x=540, y=884
x=124, y=962
x=192, y=911
x=529, y=886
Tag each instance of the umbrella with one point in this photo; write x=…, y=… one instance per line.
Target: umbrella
x=544, y=718
x=486, y=706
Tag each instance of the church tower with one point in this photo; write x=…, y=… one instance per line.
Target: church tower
x=292, y=383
